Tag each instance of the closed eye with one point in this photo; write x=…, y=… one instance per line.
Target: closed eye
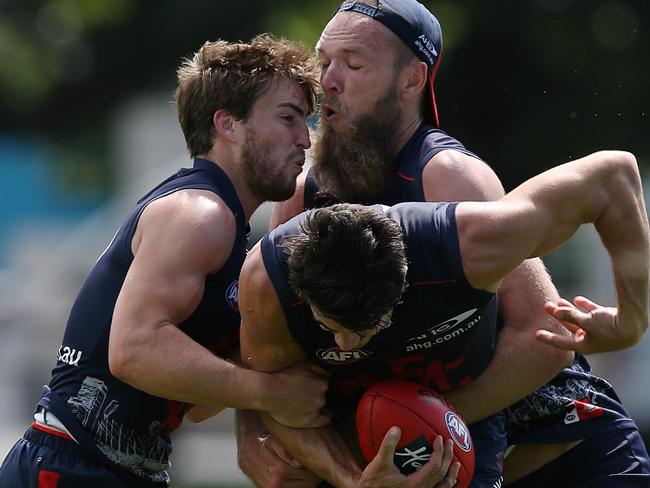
x=324, y=327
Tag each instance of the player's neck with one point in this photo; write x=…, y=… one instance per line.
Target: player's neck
x=406, y=130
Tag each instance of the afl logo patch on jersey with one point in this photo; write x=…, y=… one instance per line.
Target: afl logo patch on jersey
x=232, y=295
x=458, y=431
x=336, y=356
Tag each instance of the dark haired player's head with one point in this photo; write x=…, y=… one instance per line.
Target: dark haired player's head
x=349, y=263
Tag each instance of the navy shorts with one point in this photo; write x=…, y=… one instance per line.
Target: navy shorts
x=43, y=460
x=617, y=459
x=490, y=441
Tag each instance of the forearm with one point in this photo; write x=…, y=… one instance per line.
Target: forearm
x=623, y=229
x=632, y=292
x=521, y=364
x=165, y=362
x=320, y=450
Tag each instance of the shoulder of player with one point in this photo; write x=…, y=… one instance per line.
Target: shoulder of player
x=285, y=210
x=452, y=175
x=198, y=220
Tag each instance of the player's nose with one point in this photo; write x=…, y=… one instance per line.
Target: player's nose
x=346, y=340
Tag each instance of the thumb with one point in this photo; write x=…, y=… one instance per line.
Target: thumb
x=388, y=444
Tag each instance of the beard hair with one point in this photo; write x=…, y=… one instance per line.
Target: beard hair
x=263, y=175
x=358, y=163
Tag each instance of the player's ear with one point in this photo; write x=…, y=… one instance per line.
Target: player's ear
x=225, y=125
x=413, y=80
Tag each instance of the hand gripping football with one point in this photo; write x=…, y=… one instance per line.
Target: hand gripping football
x=421, y=414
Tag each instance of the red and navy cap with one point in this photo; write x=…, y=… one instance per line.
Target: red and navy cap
x=413, y=24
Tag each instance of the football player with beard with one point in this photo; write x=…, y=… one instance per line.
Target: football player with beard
x=380, y=142
x=154, y=330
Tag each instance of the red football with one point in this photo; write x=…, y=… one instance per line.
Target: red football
x=421, y=414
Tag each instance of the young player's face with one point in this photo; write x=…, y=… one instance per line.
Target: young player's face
x=274, y=142
x=348, y=339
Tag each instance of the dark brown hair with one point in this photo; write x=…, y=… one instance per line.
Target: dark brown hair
x=349, y=262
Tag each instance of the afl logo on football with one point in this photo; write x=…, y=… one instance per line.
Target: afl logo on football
x=232, y=295
x=458, y=431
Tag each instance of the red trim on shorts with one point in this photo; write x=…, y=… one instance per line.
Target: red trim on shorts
x=57, y=433
x=48, y=479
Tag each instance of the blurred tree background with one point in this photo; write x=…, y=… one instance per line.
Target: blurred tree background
x=524, y=84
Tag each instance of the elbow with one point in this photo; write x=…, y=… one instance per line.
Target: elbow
x=557, y=359
x=564, y=358
x=195, y=418
x=618, y=158
x=120, y=363
x=633, y=336
x=624, y=164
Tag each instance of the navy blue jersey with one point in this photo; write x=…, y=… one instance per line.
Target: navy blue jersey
x=443, y=332
x=575, y=404
x=129, y=427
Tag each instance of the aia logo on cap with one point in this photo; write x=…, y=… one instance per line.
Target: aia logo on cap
x=458, y=431
x=336, y=356
x=232, y=295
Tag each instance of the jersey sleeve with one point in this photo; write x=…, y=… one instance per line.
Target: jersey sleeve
x=431, y=238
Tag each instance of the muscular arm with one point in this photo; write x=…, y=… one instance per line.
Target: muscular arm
x=175, y=248
x=521, y=363
x=179, y=240
x=541, y=214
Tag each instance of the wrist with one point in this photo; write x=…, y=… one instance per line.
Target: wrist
x=266, y=391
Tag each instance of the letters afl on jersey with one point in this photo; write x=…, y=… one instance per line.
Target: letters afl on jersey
x=131, y=428
x=409, y=164
x=443, y=331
